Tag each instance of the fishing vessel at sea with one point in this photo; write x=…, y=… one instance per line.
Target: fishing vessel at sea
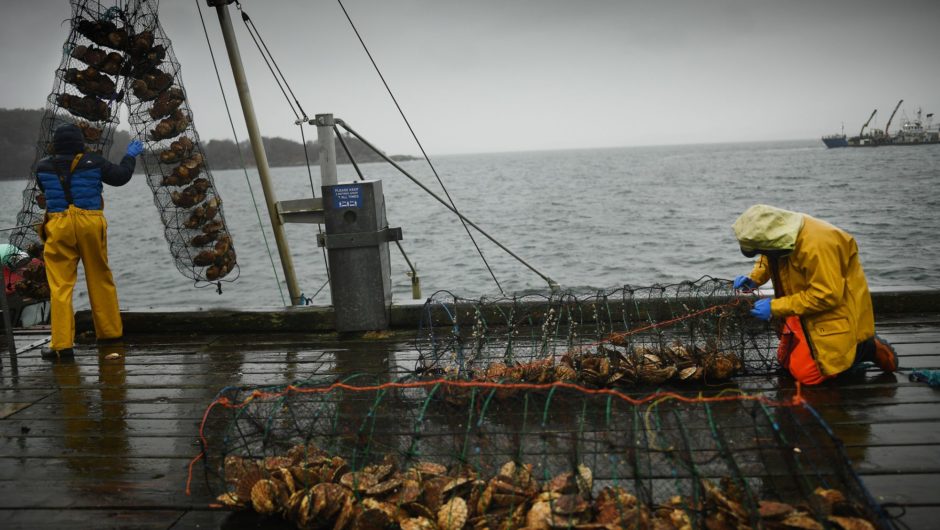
x=916, y=131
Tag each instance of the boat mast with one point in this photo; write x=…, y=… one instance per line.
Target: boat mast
x=257, y=147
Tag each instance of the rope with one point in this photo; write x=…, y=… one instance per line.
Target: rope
x=231, y=122
x=664, y=323
x=299, y=114
x=421, y=147
x=253, y=30
x=551, y=283
x=326, y=263
x=355, y=165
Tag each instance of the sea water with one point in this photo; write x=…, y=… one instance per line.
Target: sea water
x=588, y=219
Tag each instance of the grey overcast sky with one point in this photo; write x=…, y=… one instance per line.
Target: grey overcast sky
x=509, y=75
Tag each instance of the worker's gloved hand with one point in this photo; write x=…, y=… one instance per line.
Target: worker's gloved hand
x=135, y=148
x=761, y=309
x=744, y=283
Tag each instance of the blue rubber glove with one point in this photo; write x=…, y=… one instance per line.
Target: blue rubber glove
x=761, y=309
x=744, y=283
x=135, y=148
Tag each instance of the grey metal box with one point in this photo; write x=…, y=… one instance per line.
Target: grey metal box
x=356, y=239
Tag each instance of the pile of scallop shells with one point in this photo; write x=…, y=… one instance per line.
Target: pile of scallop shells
x=315, y=490
x=611, y=364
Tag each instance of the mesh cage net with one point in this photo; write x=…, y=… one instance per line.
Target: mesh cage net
x=112, y=56
x=184, y=191
x=503, y=456
x=692, y=332
x=85, y=93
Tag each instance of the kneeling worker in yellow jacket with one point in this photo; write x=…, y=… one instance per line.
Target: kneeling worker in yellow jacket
x=821, y=300
x=75, y=229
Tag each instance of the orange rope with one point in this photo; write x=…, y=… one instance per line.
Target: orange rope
x=672, y=321
x=258, y=394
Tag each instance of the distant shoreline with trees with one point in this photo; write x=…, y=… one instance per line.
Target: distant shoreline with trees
x=19, y=130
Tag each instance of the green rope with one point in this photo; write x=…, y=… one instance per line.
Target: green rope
x=696, y=485
x=732, y=464
x=412, y=451
x=466, y=438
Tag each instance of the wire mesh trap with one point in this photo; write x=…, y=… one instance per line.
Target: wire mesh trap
x=695, y=332
x=401, y=455
x=177, y=170
x=114, y=55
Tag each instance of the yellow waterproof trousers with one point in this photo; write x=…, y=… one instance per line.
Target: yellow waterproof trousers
x=73, y=235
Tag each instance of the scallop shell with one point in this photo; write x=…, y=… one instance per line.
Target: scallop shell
x=384, y=487
x=539, y=516
x=430, y=468
x=359, y=480
x=850, y=523
x=264, y=497
x=230, y=499
x=346, y=514
x=452, y=515
x=417, y=523
x=774, y=510
x=801, y=521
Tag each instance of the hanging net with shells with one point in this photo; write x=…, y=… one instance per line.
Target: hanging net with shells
x=697, y=332
x=403, y=456
x=114, y=56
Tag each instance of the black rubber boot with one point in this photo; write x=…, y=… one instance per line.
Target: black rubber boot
x=57, y=355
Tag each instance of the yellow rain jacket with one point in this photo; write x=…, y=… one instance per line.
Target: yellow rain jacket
x=821, y=280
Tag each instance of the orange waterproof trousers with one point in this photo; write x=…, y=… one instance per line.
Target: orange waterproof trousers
x=795, y=355
x=74, y=235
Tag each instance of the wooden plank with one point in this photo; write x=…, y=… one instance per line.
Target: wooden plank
x=917, y=517
x=911, y=459
x=58, y=519
x=221, y=518
x=916, y=490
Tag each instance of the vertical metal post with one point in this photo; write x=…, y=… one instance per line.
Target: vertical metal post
x=325, y=125
x=7, y=323
x=257, y=147
x=327, y=161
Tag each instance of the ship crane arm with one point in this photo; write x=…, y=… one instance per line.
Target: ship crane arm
x=888, y=126
x=860, y=133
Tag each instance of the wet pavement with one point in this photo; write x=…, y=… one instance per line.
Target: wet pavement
x=105, y=440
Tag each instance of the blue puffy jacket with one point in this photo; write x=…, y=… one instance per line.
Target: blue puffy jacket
x=85, y=182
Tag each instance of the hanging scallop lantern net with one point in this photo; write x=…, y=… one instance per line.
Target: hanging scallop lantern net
x=85, y=92
x=115, y=55
x=407, y=455
x=696, y=332
x=177, y=170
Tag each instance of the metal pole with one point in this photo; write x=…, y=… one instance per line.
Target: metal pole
x=327, y=149
x=7, y=323
x=257, y=147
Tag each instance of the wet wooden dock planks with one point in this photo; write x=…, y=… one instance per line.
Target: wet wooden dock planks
x=102, y=444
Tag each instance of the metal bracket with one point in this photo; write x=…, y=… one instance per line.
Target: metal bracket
x=359, y=239
x=308, y=211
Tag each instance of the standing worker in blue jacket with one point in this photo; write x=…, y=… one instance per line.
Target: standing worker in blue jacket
x=75, y=229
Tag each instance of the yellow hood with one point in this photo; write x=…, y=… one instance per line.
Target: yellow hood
x=763, y=227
